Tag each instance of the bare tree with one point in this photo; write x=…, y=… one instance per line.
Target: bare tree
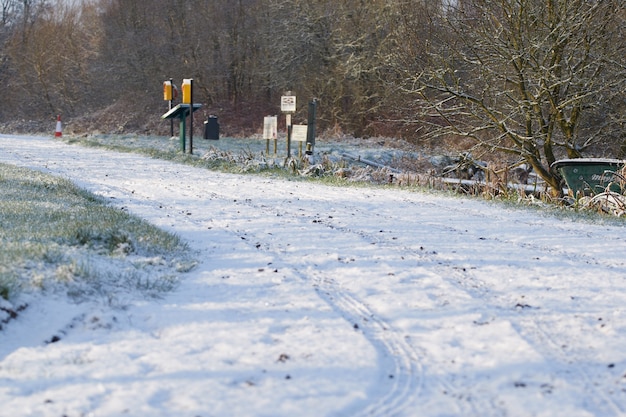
x=525, y=77
x=9, y=11
x=334, y=51
x=135, y=47
x=49, y=55
x=231, y=50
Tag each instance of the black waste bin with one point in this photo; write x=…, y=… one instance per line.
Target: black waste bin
x=212, y=128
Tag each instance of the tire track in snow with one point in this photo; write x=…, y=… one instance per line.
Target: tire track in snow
x=576, y=256
x=529, y=325
x=400, y=369
x=401, y=365
x=529, y=328
x=602, y=401
x=398, y=359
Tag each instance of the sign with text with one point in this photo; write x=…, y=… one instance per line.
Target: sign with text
x=270, y=127
x=288, y=104
x=298, y=133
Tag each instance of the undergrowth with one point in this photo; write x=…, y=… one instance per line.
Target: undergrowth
x=250, y=156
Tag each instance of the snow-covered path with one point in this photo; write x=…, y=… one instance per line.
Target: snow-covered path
x=325, y=301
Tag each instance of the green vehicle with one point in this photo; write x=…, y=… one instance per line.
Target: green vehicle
x=590, y=176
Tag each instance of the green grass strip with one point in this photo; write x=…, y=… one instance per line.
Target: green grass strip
x=47, y=224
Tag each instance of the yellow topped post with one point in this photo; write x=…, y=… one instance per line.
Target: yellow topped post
x=186, y=91
x=167, y=91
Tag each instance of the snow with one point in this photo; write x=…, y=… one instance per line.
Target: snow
x=312, y=300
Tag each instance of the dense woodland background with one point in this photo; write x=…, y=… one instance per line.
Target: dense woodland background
x=532, y=79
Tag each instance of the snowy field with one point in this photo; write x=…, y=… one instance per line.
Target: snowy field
x=325, y=301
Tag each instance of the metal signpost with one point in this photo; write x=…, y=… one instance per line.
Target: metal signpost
x=187, y=87
x=312, y=116
x=288, y=106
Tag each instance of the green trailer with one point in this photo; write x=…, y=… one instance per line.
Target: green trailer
x=590, y=176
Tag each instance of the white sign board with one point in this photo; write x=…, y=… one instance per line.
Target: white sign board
x=288, y=104
x=298, y=133
x=270, y=127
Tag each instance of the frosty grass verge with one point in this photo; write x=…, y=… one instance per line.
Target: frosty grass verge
x=250, y=155
x=56, y=236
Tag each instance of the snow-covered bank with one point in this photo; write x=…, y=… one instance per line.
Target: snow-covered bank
x=327, y=301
